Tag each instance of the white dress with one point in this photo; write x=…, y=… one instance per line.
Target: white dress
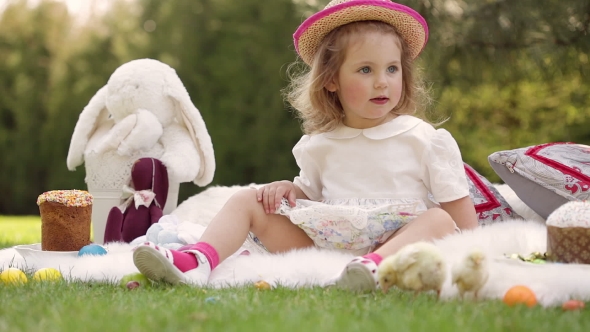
x=364, y=184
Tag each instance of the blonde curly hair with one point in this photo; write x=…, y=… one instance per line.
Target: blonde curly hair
x=319, y=109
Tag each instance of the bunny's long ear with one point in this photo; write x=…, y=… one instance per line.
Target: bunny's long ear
x=189, y=114
x=91, y=117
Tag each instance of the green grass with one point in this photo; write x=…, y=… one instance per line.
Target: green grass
x=107, y=307
x=19, y=230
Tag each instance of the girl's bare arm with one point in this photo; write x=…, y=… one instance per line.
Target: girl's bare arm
x=462, y=211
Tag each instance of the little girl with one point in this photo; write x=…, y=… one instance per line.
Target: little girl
x=373, y=177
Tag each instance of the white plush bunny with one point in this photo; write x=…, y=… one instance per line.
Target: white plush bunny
x=144, y=111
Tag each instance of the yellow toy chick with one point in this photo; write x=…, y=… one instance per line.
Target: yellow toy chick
x=471, y=274
x=418, y=267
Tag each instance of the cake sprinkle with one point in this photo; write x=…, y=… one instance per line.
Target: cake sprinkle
x=77, y=198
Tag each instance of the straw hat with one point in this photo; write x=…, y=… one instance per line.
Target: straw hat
x=409, y=24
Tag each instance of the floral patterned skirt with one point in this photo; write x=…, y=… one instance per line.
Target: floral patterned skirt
x=357, y=224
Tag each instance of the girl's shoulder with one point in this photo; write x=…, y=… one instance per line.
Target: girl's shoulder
x=429, y=131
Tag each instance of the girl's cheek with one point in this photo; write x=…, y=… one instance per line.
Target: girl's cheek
x=353, y=93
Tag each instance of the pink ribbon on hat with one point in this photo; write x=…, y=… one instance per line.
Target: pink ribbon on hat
x=140, y=197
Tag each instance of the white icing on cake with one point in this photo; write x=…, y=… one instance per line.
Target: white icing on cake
x=571, y=214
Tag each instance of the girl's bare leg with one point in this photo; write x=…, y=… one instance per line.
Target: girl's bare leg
x=432, y=224
x=241, y=214
x=361, y=273
x=225, y=235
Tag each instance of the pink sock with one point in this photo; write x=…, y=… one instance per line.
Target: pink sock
x=185, y=261
x=209, y=252
x=374, y=257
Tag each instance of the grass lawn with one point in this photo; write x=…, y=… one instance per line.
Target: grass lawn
x=19, y=230
x=107, y=307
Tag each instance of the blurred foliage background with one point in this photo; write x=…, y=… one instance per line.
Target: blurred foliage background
x=508, y=74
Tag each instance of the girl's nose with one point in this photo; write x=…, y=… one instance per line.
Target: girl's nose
x=380, y=82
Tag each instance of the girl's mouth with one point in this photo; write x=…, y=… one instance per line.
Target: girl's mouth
x=380, y=100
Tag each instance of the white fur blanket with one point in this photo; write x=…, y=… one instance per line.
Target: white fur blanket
x=552, y=283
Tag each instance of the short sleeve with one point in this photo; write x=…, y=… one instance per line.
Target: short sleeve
x=308, y=179
x=444, y=169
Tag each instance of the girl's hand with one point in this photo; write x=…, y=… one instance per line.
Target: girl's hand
x=272, y=194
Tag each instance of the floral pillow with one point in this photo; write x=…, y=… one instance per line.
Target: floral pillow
x=489, y=204
x=545, y=176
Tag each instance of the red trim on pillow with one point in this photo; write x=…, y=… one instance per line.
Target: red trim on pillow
x=492, y=202
x=584, y=180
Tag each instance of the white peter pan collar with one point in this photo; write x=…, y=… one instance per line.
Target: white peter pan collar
x=389, y=129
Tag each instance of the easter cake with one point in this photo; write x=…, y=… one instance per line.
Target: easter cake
x=65, y=219
x=568, y=233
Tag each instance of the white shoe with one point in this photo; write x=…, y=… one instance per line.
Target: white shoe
x=157, y=264
x=360, y=275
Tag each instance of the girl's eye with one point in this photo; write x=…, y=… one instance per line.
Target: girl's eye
x=365, y=70
x=391, y=69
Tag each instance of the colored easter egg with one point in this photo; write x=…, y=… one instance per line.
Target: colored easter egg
x=92, y=249
x=47, y=274
x=13, y=276
x=134, y=280
x=132, y=285
x=262, y=285
x=211, y=299
x=520, y=295
x=573, y=305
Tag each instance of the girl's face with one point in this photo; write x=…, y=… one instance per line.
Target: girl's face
x=369, y=81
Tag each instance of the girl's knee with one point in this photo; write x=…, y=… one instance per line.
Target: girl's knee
x=244, y=196
x=244, y=199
